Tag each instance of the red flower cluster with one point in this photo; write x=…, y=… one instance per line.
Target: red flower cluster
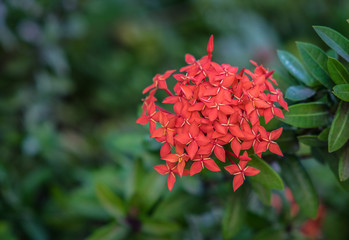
x=216, y=111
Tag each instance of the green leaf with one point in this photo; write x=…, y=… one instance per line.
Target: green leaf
x=316, y=62
x=269, y=233
x=337, y=71
x=168, y=207
x=6, y=231
x=152, y=187
x=111, y=202
x=332, y=159
x=311, y=140
x=339, y=132
x=298, y=180
x=159, y=228
x=288, y=141
x=262, y=191
x=234, y=215
x=283, y=81
x=343, y=167
x=342, y=91
x=267, y=177
x=334, y=40
x=299, y=93
x=295, y=68
x=109, y=232
x=332, y=53
x=307, y=115
x=323, y=136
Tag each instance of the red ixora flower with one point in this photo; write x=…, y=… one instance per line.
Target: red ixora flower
x=215, y=115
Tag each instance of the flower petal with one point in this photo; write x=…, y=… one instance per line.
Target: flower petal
x=171, y=179
x=250, y=171
x=211, y=165
x=220, y=153
x=232, y=169
x=238, y=181
x=192, y=149
x=162, y=169
x=195, y=168
x=274, y=148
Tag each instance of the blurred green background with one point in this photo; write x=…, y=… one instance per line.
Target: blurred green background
x=71, y=77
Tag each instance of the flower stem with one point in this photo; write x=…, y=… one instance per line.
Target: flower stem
x=168, y=91
x=161, y=109
x=230, y=159
x=232, y=154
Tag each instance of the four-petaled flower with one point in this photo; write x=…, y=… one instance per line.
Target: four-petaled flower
x=240, y=170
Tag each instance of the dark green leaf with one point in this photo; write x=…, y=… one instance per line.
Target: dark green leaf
x=34, y=229
x=337, y=71
x=299, y=93
x=168, y=207
x=263, y=192
x=307, y=115
x=311, y=140
x=109, y=232
x=152, y=187
x=342, y=91
x=323, y=136
x=298, y=180
x=288, y=141
x=267, y=177
x=343, y=167
x=6, y=232
x=339, y=132
x=111, y=202
x=159, y=228
x=295, y=67
x=316, y=62
x=234, y=216
x=332, y=53
x=269, y=234
x=334, y=40
x=283, y=81
x=332, y=159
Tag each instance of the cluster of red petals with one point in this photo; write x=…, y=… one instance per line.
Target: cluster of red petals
x=216, y=111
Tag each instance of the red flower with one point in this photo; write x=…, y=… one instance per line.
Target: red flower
x=171, y=170
x=180, y=158
x=239, y=171
x=267, y=141
x=200, y=162
x=216, y=112
x=159, y=81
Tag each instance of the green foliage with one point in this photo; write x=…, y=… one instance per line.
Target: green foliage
x=295, y=67
x=343, y=167
x=301, y=185
x=267, y=177
x=299, y=93
x=111, y=202
x=339, y=132
x=334, y=40
x=315, y=60
x=307, y=115
x=233, y=217
x=320, y=120
x=311, y=140
x=338, y=72
x=342, y=92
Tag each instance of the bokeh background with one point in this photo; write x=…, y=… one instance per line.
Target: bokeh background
x=71, y=77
